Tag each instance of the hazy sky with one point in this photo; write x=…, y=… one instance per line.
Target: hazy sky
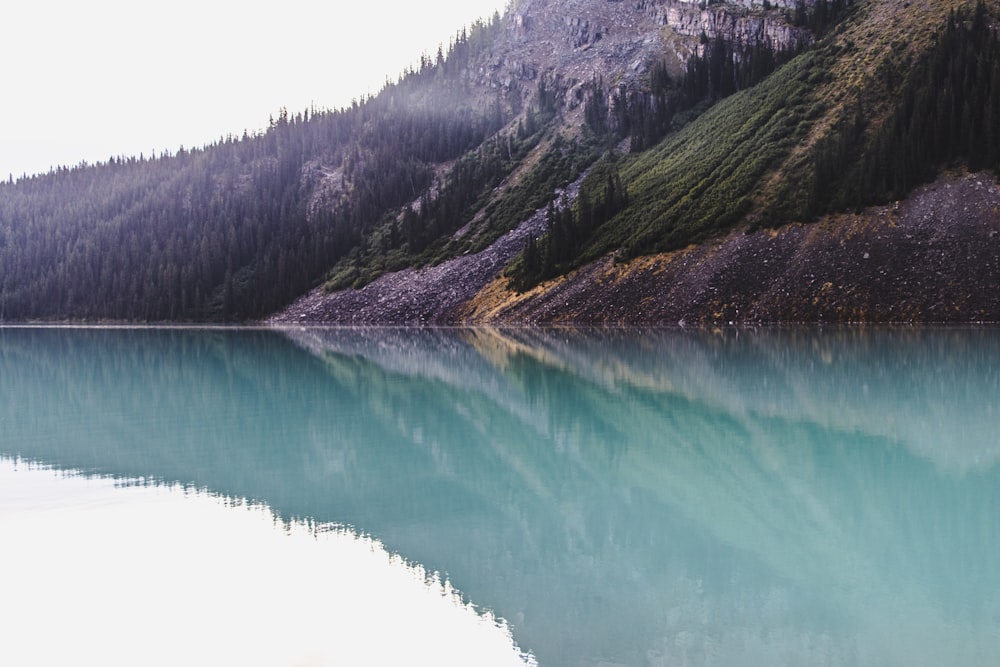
x=84, y=80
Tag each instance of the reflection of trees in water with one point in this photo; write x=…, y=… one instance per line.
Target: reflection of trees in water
x=612, y=493
x=935, y=391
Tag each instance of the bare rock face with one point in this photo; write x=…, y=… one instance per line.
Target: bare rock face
x=732, y=23
x=575, y=41
x=757, y=4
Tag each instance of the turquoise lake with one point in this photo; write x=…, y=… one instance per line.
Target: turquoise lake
x=551, y=497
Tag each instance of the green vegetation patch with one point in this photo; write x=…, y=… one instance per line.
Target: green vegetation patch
x=700, y=181
x=426, y=237
x=558, y=167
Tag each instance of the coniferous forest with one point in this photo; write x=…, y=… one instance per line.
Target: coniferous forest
x=236, y=230
x=949, y=114
x=227, y=232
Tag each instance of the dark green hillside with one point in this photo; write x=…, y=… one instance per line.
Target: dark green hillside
x=812, y=138
x=696, y=183
x=236, y=229
x=657, y=137
x=947, y=115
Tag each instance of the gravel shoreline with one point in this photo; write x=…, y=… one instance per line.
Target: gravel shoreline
x=424, y=296
x=934, y=257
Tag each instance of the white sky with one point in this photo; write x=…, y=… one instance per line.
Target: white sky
x=87, y=80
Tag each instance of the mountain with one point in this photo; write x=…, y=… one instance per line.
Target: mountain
x=571, y=160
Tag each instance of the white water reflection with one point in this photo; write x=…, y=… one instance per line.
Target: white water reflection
x=96, y=571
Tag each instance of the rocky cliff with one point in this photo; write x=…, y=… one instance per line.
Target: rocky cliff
x=749, y=23
x=577, y=40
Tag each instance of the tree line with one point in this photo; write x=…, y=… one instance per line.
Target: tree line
x=948, y=115
x=569, y=227
x=235, y=229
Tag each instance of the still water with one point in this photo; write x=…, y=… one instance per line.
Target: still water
x=475, y=497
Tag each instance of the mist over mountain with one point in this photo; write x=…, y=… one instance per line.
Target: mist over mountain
x=762, y=156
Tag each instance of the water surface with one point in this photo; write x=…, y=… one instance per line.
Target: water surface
x=774, y=497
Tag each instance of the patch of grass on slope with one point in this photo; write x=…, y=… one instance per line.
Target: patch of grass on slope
x=759, y=149
x=883, y=134
x=701, y=181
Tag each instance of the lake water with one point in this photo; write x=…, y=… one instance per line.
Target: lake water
x=480, y=497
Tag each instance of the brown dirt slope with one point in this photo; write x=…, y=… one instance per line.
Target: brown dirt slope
x=933, y=258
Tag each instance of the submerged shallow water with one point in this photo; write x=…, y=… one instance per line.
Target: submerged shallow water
x=571, y=497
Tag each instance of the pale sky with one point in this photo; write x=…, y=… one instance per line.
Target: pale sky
x=85, y=80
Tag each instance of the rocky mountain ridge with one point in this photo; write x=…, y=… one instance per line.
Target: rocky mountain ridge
x=578, y=40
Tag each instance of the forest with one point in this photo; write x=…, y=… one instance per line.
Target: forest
x=948, y=116
x=699, y=180
x=235, y=230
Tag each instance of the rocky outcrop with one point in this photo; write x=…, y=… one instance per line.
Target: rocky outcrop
x=733, y=24
x=577, y=40
x=582, y=33
x=754, y=4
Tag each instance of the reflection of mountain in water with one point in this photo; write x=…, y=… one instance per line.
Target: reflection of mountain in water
x=776, y=497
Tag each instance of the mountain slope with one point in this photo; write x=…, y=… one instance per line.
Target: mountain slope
x=839, y=127
x=804, y=142
x=447, y=184
x=236, y=229
x=931, y=258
